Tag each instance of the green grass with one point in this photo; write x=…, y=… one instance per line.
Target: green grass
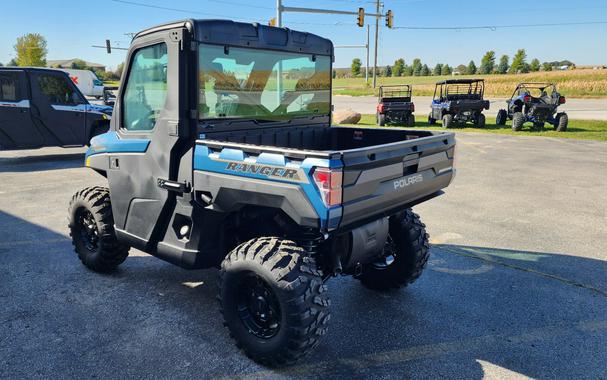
x=577, y=129
x=581, y=83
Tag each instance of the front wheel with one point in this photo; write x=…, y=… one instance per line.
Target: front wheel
x=273, y=300
x=405, y=255
x=501, y=117
x=91, y=227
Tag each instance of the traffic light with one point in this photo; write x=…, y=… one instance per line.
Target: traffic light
x=108, y=46
x=389, y=19
x=272, y=22
x=361, y=17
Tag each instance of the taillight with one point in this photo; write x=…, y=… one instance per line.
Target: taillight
x=328, y=181
x=562, y=100
x=527, y=98
x=380, y=108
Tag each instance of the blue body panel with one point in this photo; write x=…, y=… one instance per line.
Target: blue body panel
x=110, y=142
x=208, y=160
x=530, y=118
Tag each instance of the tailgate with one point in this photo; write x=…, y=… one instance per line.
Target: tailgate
x=381, y=179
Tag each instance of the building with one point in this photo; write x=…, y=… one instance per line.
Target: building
x=67, y=64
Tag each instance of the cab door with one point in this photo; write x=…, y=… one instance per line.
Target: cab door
x=16, y=127
x=151, y=110
x=58, y=108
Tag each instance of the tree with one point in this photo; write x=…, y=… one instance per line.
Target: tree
x=487, y=63
x=31, y=50
x=546, y=66
x=388, y=71
x=425, y=71
x=399, y=67
x=535, y=65
x=462, y=69
x=355, y=67
x=1, y=64
x=78, y=64
x=437, y=69
x=119, y=70
x=503, y=66
x=446, y=70
x=471, y=69
x=408, y=71
x=12, y=62
x=518, y=62
x=416, y=66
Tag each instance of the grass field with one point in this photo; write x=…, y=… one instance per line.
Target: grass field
x=581, y=83
x=577, y=129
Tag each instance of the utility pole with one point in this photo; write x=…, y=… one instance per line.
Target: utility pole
x=367, y=67
x=376, y=39
x=279, y=13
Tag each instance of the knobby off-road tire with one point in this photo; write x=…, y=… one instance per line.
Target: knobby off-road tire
x=447, y=121
x=431, y=121
x=518, y=119
x=381, y=119
x=91, y=227
x=501, y=117
x=410, y=121
x=562, y=121
x=273, y=300
x=408, y=246
x=480, y=121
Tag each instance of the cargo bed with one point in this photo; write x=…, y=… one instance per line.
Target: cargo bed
x=384, y=169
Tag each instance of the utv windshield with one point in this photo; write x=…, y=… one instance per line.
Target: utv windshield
x=262, y=84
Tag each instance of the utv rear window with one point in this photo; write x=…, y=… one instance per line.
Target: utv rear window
x=146, y=88
x=262, y=84
x=8, y=88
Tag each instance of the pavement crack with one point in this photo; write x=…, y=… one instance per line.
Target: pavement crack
x=528, y=270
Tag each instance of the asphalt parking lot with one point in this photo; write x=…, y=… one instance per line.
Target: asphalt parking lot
x=516, y=285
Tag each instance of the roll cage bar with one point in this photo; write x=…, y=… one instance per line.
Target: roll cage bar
x=459, y=87
x=395, y=91
x=533, y=85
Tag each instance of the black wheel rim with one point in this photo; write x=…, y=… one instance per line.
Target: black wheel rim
x=87, y=229
x=258, y=307
x=389, y=256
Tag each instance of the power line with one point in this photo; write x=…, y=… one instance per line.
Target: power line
x=180, y=9
x=495, y=27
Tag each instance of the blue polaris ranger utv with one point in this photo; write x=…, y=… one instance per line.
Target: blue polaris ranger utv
x=221, y=154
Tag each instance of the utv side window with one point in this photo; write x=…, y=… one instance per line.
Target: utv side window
x=9, y=88
x=57, y=90
x=146, y=88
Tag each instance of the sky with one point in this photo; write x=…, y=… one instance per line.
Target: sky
x=71, y=27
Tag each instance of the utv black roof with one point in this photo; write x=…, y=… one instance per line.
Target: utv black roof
x=460, y=81
x=251, y=35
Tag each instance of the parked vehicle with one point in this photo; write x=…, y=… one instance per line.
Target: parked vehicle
x=87, y=82
x=459, y=101
x=535, y=103
x=222, y=155
x=394, y=106
x=42, y=107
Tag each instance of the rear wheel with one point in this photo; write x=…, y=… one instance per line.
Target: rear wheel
x=91, y=227
x=562, y=121
x=501, y=117
x=431, y=120
x=447, y=121
x=480, y=121
x=518, y=119
x=406, y=253
x=273, y=300
x=381, y=119
x=410, y=120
